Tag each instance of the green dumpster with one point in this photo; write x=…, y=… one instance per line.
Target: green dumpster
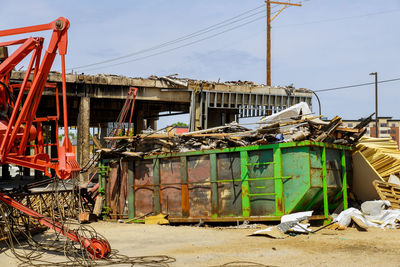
x=256, y=183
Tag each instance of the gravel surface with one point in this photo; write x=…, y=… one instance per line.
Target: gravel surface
x=216, y=246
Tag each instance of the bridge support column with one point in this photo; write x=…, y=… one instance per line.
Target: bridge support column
x=152, y=123
x=83, y=146
x=103, y=133
x=140, y=123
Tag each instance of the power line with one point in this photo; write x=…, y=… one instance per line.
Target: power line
x=219, y=25
x=342, y=18
x=356, y=85
x=181, y=46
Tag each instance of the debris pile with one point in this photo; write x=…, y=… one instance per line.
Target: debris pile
x=378, y=213
x=376, y=170
x=292, y=124
x=382, y=154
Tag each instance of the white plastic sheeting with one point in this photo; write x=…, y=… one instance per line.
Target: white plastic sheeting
x=294, y=218
x=373, y=214
x=285, y=115
x=299, y=227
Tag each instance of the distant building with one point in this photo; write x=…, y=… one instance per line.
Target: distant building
x=388, y=127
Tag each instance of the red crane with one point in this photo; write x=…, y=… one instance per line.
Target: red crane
x=21, y=129
x=18, y=116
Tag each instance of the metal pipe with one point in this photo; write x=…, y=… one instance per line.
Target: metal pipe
x=376, y=104
x=268, y=81
x=319, y=102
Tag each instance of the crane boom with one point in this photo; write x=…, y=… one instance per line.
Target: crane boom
x=19, y=127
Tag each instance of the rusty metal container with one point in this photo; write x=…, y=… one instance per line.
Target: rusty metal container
x=256, y=183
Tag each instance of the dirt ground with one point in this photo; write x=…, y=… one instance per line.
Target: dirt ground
x=216, y=246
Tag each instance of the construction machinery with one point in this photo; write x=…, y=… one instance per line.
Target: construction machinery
x=21, y=130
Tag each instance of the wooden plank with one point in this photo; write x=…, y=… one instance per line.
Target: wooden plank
x=382, y=154
x=388, y=191
x=363, y=176
x=96, y=142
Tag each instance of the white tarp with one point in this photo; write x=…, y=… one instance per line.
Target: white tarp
x=373, y=214
x=285, y=115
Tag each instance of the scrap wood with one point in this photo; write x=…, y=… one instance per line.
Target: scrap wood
x=232, y=126
x=98, y=206
x=364, y=122
x=328, y=129
x=363, y=176
x=359, y=223
x=382, y=154
x=126, y=153
x=119, y=137
x=137, y=218
x=157, y=219
x=388, y=191
x=272, y=130
x=299, y=121
x=96, y=142
x=347, y=130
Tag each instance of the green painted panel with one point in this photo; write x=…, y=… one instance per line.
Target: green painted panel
x=244, y=175
x=307, y=202
x=316, y=166
x=247, y=148
x=245, y=181
x=334, y=178
x=333, y=165
x=315, y=157
x=296, y=164
x=260, y=190
x=349, y=170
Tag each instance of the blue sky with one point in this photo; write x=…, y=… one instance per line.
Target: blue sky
x=320, y=45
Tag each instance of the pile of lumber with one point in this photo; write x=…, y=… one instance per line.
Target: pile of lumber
x=383, y=155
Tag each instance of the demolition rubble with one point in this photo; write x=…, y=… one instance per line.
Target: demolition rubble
x=291, y=125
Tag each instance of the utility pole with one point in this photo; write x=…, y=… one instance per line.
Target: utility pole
x=376, y=103
x=269, y=20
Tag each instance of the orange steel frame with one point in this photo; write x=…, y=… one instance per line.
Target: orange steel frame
x=17, y=129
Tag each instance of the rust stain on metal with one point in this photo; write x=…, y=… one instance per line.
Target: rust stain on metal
x=170, y=187
x=143, y=187
x=199, y=185
x=279, y=203
x=185, y=200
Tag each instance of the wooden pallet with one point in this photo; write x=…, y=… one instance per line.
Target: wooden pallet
x=388, y=191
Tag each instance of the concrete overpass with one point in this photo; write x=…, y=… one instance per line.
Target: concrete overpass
x=96, y=100
x=227, y=101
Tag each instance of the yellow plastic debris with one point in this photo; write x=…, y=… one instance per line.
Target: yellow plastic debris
x=157, y=219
